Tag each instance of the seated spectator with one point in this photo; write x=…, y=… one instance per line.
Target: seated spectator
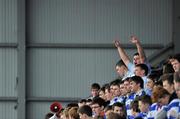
x=160, y=99
x=134, y=110
x=82, y=102
x=73, y=114
x=107, y=110
x=85, y=112
x=144, y=102
x=151, y=79
x=176, y=62
x=168, y=84
x=122, y=70
x=119, y=108
x=98, y=107
x=95, y=87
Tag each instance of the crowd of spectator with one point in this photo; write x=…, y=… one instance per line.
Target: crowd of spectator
x=139, y=92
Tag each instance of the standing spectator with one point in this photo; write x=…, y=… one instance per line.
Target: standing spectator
x=168, y=84
x=176, y=62
x=95, y=87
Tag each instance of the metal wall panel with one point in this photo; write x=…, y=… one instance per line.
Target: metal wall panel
x=68, y=72
x=7, y=110
x=8, y=72
x=65, y=72
x=8, y=21
x=99, y=21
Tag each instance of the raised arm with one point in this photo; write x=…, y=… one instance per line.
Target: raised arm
x=140, y=49
x=122, y=53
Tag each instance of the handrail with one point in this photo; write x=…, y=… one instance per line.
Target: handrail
x=163, y=50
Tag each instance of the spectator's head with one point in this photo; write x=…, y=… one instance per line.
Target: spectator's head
x=89, y=102
x=167, y=68
x=141, y=70
x=121, y=68
x=151, y=79
x=176, y=62
x=107, y=110
x=95, y=87
x=85, y=112
x=102, y=92
x=73, y=114
x=116, y=88
x=177, y=83
x=97, y=106
x=119, y=108
x=108, y=93
x=160, y=95
x=82, y=102
x=122, y=89
x=136, y=84
x=127, y=85
x=144, y=102
x=136, y=59
x=168, y=84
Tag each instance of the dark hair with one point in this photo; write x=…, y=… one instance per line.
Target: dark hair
x=118, y=104
x=145, y=99
x=72, y=105
x=136, y=54
x=48, y=115
x=120, y=63
x=116, y=82
x=143, y=67
x=177, y=57
x=138, y=80
x=99, y=101
x=107, y=108
x=85, y=110
x=82, y=100
x=168, y=78
x=153, y=76
x=95, y=86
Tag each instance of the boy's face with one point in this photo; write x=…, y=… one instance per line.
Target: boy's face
x=96, y=109
x=94, y=92
x=134, y=86
x=143, y=106
x=118, y=110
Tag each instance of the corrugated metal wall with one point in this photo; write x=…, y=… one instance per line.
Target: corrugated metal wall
x=8, y=59
x=68, y=72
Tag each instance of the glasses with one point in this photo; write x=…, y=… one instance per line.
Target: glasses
x=95, y=107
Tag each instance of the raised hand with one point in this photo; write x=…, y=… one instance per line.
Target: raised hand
x=134, y=39
x=117, y=43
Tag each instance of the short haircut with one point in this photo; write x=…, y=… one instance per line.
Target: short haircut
x=120, y=63
x=177, y=57
x=154, y=77
x=99, y=101
x=116, y=82
x=48, y=115
x=143, y=67
x=136, y=54
x=82, y=101
x=107, y=108
x=146, y=99
x=95, y=86
x=85, y=110
x=168, y=78
x=118, y=104
x=138, y=80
